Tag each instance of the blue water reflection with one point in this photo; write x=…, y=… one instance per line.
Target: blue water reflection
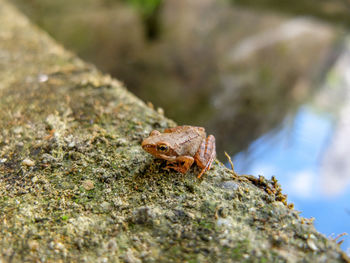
x=295, y=155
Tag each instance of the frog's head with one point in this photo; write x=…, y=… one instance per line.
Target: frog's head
x=157, y=145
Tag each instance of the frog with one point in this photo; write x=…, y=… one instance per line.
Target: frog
x=181, y=146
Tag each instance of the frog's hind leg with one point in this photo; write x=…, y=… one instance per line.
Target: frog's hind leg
x=205, y=154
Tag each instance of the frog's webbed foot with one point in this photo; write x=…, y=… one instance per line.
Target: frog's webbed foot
x=182, y=164
x=206, y=154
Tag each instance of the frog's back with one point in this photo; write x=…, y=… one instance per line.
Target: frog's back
x=187, y=140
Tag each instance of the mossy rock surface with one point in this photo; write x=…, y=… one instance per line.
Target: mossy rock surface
x=75, y=185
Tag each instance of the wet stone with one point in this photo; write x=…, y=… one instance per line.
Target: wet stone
x=230, y=185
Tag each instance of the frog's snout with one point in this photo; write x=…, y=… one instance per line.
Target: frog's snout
x=145, y=144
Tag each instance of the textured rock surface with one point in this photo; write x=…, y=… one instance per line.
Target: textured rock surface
x=75, y=184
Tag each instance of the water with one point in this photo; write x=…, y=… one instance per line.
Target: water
x=295, y=155
x=310, y=154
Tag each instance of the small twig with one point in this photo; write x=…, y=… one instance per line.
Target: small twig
x=340, y=242
x=339, y=236
x=216, y=214
x=231, y=163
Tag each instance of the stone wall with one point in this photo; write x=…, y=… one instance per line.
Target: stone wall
x=76, y=186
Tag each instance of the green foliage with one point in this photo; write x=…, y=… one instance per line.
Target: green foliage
x=149, y=10
x=146, y=7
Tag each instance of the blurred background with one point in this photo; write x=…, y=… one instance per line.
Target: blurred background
x=269, y=78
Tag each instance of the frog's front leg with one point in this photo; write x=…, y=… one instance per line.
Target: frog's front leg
x=181, y=164
x=206, y=154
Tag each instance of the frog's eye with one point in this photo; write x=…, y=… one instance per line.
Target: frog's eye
x=162, y=148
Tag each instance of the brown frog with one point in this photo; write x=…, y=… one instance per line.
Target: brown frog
x=181, y=146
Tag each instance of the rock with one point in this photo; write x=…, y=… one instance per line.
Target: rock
x=150, y=214
x=130, y=258
x=88, y=185
x=231, y=185
x=144, y=215
x=28, y=162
